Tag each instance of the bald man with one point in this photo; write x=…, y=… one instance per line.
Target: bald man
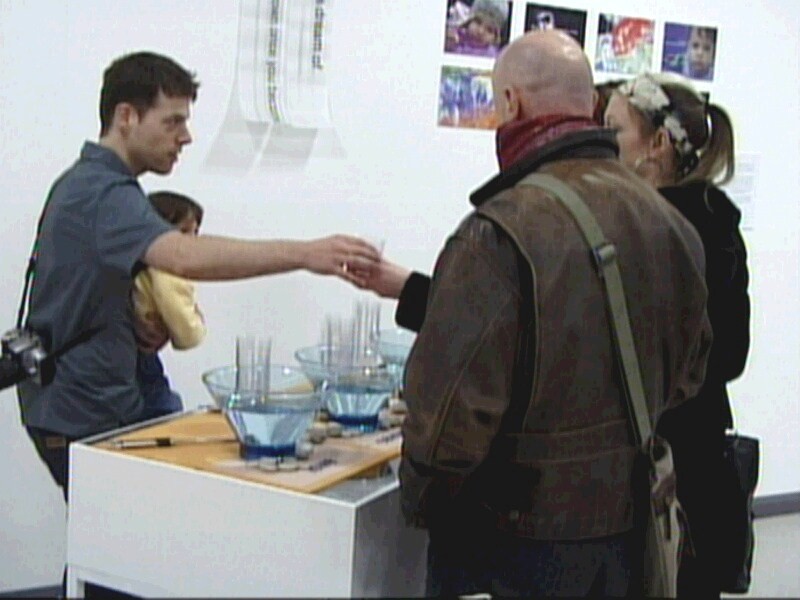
x=517, y=455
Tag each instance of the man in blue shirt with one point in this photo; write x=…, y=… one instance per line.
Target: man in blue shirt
x=99, y=229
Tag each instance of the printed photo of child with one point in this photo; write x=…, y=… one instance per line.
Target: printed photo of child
x=539, y=16
x=624, y=45
x=477, y=27
x=465, y=98
x=689, y=50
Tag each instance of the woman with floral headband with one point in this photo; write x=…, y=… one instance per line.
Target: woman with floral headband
x=683, y=145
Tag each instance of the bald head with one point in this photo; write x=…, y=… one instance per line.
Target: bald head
x=542, y=73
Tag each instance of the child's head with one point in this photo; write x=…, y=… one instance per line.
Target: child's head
x=700, y=50
x=179, y=210
x=487, y=21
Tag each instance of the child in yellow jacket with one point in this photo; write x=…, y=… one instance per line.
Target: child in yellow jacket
x=163, y=297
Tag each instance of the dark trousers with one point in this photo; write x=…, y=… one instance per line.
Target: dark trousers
x=53, y=449
x=510, y=566
x=701, y=491
x=697, y=441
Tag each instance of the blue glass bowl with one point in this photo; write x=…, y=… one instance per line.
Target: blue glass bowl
x=319, y=362
x=395, y=344
x=356, y=396
x=267, y=422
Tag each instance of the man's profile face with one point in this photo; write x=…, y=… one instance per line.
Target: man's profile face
x=157, y=136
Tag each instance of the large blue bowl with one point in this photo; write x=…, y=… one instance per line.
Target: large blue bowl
x=267, y=422
x=320, y=364
x=395, y=344
x=355, y=397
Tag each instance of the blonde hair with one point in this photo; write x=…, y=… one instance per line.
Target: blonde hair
x=709, y=131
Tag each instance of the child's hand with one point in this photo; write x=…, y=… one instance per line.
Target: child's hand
x=151, y=334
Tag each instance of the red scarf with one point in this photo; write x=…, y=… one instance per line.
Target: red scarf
x=517, y=139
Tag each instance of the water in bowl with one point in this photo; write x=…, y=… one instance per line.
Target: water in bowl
x=265, y=430
x=394, y=346
x=269, y=417
x=355, y=399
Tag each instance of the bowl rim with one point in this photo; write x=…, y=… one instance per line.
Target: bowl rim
x=309, y=395
x=305, y=362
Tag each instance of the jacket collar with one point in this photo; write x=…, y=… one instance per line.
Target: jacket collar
x=590, y=143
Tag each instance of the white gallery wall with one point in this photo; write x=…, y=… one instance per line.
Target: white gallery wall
x=386, y=170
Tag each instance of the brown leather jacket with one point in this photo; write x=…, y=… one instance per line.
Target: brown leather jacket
x=516, y=414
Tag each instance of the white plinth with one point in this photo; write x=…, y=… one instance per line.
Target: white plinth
x=152, y=529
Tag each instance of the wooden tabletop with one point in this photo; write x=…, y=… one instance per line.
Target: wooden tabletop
x=333, y=461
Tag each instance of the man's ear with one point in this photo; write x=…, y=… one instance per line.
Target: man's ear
x=513, y=105
x=125, y=116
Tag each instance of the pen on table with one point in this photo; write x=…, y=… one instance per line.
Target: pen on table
x=163, y=442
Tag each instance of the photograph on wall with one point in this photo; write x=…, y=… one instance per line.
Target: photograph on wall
x=540, y=16
x=465, y=98
x=689, y=50
x=624, y=45
x=477, y=27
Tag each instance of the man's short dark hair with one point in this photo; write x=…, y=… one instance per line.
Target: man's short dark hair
x=174, y=207
x=137, y=78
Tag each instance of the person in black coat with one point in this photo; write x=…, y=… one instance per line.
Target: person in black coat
x=683, y=145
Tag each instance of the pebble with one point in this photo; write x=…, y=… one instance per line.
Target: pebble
x=268, y=464
x=398, y=406
x=385, y=419
x=288, y=464
x=304, y=450
x=317, y=433
x=334, y=429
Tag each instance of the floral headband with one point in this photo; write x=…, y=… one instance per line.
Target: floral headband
x=645, y=93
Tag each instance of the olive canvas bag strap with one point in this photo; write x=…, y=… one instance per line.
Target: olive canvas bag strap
x=663, y=531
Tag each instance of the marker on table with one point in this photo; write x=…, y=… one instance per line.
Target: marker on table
x=163, y=442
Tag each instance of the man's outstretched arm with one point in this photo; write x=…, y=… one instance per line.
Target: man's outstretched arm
x=214, y=258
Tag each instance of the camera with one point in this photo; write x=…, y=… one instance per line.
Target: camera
x=23, y=357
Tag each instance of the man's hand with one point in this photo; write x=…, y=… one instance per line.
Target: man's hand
x=387, y=280
x=345, y=256
x=151, y=335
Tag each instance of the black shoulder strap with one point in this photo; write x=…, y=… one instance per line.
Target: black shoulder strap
x=35, y=252
x=23, y=305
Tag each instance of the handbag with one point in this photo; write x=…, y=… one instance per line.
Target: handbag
x=659, y=516
x=740, y=476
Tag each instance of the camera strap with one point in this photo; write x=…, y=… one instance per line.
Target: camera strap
x=23, y=305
